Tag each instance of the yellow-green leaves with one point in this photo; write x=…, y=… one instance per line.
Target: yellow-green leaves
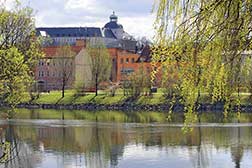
x=19, y=51
x=207, y=43
x=14, y=76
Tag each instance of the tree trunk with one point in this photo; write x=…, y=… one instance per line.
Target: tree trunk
x=63, y=90
x=96, y=84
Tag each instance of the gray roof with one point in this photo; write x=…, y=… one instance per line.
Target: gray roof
x=108, y=33
x=113, y=25
x=70, y=31
x=129, y=45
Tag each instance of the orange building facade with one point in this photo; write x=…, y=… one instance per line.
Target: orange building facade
x=124, y=63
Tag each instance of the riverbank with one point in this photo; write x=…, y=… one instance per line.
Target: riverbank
x=132, y=107
x=155, y=102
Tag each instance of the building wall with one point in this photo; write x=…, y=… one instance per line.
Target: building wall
x=127, y=64
x=124, y=63
x=49, y=70
x=49, y=73
x=83, y=73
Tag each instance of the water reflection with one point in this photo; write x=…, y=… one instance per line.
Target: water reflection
x=130, y=140
x=120, y=145
x=128, y=117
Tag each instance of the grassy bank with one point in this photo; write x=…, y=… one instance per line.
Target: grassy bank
x=54, y=97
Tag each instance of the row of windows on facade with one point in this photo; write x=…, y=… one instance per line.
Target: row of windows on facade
x=47, y=73
x=74, y=35
x=73, y=40
x=127, y=60
x=42, y=63
x=128, y=71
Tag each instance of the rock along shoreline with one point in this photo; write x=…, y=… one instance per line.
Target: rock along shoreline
x=132, y=107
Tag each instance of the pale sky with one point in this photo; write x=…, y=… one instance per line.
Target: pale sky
x=134, y=15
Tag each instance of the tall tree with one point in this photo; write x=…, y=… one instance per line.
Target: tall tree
x=100, y=62
x=65, y=61
x=140, y=82
x=19, y=51
x=206, y=39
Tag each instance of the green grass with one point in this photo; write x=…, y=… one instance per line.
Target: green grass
x=54, y=97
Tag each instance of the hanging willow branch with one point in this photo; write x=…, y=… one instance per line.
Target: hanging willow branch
x=209, y=37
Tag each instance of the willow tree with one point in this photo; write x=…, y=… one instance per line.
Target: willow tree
x=99, y=61
x=19, y=51
x=204, y=40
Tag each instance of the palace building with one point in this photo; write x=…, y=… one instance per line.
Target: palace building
x=126, y=54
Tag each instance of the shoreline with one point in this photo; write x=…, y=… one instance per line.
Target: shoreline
x=132, y=107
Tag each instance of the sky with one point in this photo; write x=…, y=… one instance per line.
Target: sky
x=134, y=15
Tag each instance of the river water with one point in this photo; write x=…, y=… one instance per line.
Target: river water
x=74, y=139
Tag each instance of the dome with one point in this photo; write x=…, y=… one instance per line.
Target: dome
x=113, y=23
x=113, y=17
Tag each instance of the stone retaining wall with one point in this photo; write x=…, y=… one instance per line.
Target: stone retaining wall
x=130, y=107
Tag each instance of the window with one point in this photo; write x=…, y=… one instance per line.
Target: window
x=48, y=74
x=121, y=60
x=41, y=63
x=41, y=73
x=148, y=69
x=48, y=63
x=132, y=60
x=127, y=60
x=127, y=71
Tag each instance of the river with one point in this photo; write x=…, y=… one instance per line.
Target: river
x=113, y=139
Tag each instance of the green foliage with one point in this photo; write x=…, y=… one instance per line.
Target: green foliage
x=100, y=61
x=140, y=82
x=65, y=60
x=14, y=76
x=19, y=51
x=205, y=42
x=247, y=75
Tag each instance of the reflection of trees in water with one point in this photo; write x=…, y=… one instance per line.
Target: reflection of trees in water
x=103, y=145
x=237, y=149
x=21, y=154
x=107, y=146
x=95, y=158
x=200, y=158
